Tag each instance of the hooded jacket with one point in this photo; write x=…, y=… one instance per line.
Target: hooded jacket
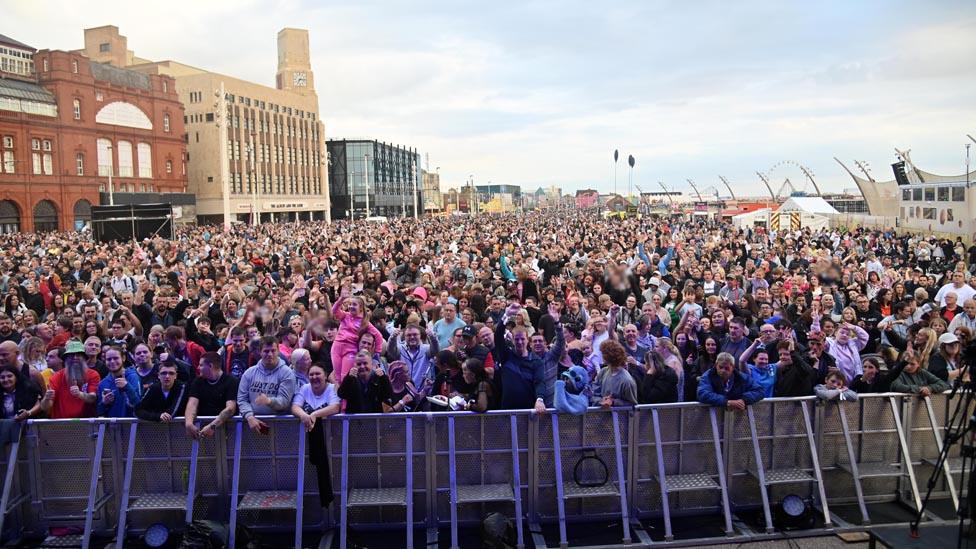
x=278, y=384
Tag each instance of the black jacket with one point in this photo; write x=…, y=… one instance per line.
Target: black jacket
x=659, y=388
x=154, y=403
x=795, y=380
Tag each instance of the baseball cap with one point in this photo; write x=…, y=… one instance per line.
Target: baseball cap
x=469, y=331
x=948, y=339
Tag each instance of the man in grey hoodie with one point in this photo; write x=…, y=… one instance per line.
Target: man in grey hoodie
x=266, y=388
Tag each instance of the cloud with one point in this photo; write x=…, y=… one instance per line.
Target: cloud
x=541, y=92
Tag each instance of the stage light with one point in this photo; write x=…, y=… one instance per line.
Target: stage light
x=793, y=512
x=157, y=535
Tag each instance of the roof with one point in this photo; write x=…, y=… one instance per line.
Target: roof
x=4, y=39
x=807, y=204
x=18, y=89
x=120, y=77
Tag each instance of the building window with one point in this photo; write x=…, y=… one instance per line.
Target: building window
x=928, y=213
x=917, y=195
x=74, y=66
x=99, y=96
x=943, y=194
x=36, y=163
x=165, y=122
x=46, y=66
x=958, y=194
x=165, y=86
x=906, y=194
x=169, y=166
x=76, y=109
x=8, y=154
x=104, y=47
x=145, y=160
x=104, y=147
x=124, y=151
x=80, y=163
x=930, y=194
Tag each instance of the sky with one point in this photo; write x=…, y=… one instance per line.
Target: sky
x=540, y=93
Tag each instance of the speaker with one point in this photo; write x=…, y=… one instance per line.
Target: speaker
x=900, y=176
x=125, y=222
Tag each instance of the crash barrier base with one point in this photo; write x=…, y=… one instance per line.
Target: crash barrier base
x=444, y=471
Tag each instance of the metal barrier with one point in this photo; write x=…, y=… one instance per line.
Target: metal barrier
x=445, y=470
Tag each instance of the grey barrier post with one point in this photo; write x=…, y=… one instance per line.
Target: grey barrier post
x=93, y=486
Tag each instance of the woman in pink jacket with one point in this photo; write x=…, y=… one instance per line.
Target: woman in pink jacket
x=351, y=325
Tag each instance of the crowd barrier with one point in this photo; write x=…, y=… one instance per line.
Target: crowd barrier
x=434, y=471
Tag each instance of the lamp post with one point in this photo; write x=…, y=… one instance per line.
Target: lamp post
x=616, y=156
x=366, y=175
x=630, y=179
x=221, y=116
x=111, y=168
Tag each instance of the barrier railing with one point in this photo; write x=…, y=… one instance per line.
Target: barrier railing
x=444, y=470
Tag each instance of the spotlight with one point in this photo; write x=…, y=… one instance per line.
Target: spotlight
x=793, y=513
x=157, y=535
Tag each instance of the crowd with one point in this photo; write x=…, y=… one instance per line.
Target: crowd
x=540, y=310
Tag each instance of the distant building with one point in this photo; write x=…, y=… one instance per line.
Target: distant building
x=16, y=58
x=587, y=198
x=923, y=202
x=504, y=198
x=392, y=172
x=433, y=199
x=65, y=129
x=275, y=141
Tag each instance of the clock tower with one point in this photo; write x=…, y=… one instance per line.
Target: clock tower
x=294, y=66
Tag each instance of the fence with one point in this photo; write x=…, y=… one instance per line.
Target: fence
x=427, y=471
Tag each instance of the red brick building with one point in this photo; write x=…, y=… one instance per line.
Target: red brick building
x=63, y=131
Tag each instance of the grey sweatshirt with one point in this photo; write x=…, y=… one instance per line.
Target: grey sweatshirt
x=278, y=384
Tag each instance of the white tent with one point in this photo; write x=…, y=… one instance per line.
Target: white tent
x=749, y=219
x=808, y=205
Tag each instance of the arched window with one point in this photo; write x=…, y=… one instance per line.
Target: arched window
x=104, y=157
x=119, y=113
x=82, y=213
x=125, y=158
x=9, y=217
x=45, y=216
x=145, y=160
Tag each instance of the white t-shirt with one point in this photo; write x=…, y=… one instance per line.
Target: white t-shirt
x=308, y=400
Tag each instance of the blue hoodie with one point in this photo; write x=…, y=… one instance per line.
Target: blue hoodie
x=126, y=399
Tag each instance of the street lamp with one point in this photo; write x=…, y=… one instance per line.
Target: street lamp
x=111, y=168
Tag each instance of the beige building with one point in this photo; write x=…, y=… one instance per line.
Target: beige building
x=432, y=192
x=275, y=138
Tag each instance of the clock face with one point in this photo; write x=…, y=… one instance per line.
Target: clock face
x=300, y=79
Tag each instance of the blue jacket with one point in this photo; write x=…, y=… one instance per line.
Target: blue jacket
x=125, y=400
x=711, y=389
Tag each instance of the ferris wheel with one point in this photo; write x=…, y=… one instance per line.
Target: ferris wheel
x=782, y=170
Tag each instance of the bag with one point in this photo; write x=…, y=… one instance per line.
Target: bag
x=590, y=470
x=497, y=532
x=204, y=534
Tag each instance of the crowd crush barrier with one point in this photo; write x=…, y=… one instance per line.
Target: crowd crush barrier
x=438, y=472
